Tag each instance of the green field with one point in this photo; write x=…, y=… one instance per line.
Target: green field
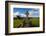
x=33, y=22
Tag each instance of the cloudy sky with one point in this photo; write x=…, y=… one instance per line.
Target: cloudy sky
x=21, y=11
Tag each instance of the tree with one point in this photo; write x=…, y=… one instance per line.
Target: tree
x=18, y=17
x=27, y=16
x=26, y=21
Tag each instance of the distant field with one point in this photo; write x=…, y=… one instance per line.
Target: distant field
x=33, y=22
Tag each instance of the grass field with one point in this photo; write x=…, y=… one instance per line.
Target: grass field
x=33, y=22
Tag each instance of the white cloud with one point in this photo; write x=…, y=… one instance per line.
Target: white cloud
x=22, y=15
x=30, y=13
x=15, y=14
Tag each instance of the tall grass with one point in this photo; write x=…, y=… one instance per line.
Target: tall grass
x=34, y=21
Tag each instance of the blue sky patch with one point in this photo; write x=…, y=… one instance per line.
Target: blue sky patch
x=35, y=12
